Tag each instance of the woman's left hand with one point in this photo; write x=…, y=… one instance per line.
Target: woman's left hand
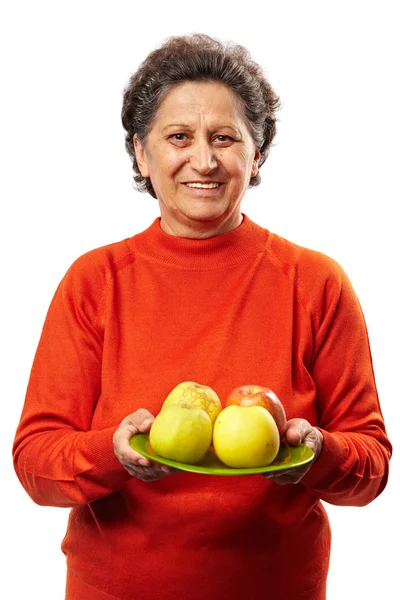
x=298, y=431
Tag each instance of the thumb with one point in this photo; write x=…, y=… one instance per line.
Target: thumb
x=141, y=420
x=296, y=431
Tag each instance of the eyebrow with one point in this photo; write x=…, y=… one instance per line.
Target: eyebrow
x=186, y=126
x=182, y=125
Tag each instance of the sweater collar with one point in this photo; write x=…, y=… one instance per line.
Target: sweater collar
x=217, y=252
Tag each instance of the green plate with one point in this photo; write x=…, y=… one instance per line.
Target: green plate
x=288, y=457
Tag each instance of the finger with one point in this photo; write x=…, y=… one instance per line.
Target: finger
x=151, y=473
x=314, y=440
x=125, y=453
x=146, y=473
x=289, y=479
x=153, y=467
x=296, y=431
x=123, y=450
x=287, y=476
x=141, y=420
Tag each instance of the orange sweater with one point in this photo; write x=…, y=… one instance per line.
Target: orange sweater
x=131, y=320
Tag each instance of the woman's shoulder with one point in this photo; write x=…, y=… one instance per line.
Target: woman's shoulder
x=317, y=278
x=95, y=267
x=108, y=256
x=301, y=261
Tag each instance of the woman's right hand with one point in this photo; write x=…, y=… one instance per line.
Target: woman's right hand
x=137, y=465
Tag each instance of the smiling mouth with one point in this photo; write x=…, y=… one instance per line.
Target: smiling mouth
x=204, y=186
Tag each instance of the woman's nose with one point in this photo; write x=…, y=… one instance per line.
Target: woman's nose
x=202, y=157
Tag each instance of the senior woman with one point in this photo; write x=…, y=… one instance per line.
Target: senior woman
x=207, y=295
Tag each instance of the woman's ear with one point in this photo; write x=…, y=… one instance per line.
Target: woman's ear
x=254, y=168
x=140, y=157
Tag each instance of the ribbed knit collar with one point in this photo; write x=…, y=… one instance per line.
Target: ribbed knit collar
x=217, y=252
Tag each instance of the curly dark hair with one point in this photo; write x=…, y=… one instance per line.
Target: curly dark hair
x=197, y=57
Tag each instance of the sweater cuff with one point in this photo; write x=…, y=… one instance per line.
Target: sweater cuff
x=329, y=464
x=96, y=467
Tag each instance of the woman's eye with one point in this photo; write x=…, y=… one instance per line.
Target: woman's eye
x=223, y=139
x=178, y=137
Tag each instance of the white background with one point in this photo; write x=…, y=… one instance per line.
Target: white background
x=331, y=183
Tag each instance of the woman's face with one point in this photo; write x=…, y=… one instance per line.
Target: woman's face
x=199, y=156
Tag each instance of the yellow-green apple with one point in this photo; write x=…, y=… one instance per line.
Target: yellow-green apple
x=246, y=437
x=181, y=432
x=190, y=392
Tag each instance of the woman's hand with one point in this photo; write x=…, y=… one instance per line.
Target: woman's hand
x=137, y=465
x=298, y=431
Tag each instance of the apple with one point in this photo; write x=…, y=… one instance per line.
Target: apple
x=181, y=432
x=190, y=392
x=256, y=395
x=246, y=437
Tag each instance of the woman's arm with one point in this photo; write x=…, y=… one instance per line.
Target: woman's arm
x=354, y=463
x=59, y=460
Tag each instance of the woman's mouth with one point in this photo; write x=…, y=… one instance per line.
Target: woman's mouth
x=203, y=186
x=204, y=189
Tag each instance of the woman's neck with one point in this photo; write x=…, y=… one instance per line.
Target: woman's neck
x=201, y=230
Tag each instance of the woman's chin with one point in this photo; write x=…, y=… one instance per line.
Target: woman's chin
x=205, y=213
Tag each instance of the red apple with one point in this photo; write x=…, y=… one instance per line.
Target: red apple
x=256, y=395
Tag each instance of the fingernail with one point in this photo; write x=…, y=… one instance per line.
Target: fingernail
x=143, y=462
x=147, y=422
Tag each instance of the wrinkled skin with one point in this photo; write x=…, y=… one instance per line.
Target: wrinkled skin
x=298, y=431
x=137, y=465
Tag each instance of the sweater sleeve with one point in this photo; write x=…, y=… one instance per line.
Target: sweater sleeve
x=58, y=458
x=354, y=463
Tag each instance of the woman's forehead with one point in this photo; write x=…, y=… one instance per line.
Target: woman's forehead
x=190, y=100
